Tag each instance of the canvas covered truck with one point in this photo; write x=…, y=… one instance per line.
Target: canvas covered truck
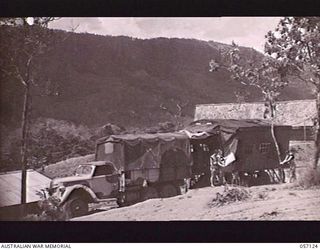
x=248, y=145
x=127, y=169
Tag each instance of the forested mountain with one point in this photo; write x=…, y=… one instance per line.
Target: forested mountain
x=92, y=80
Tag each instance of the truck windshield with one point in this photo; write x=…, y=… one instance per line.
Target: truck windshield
x=84, y=170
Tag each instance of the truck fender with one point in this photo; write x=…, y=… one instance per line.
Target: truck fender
x=71, y=189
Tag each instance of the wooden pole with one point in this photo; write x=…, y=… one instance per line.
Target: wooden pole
x=24, y=128
x=317, y=141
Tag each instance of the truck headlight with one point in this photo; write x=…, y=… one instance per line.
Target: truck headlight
x=52, y=189
x=57, y=189
x=62, y=189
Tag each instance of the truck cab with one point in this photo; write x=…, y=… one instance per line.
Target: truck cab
x=128, y=169
x=91, y=182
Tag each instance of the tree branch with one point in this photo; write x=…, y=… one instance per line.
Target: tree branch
x=18, y=75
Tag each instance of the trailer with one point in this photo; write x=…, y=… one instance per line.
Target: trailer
x=248, y=142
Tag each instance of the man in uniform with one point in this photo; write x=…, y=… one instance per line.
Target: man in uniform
x=216, y=162
x=289, y=159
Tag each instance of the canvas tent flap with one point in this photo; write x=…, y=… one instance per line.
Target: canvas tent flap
x=230, y=158
x=231, y=147
x=225, y=136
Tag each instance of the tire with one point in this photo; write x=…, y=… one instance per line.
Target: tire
x=75, y=207
x=121, y=201
x=149, y=193
x=168, y=190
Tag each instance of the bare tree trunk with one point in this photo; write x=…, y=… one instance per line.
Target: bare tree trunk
x=275, y=140
x=317, y=142
x=24, y=127
x=281, y=176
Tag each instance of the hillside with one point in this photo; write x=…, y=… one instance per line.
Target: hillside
x=94, y=80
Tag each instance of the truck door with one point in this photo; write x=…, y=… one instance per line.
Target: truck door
x=105, y=180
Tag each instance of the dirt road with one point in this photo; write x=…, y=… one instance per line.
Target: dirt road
x=271, y=202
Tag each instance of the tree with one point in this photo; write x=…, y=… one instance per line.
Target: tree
x=267, y=75
x=176, y=113
x=19, y=51
x=296, y=43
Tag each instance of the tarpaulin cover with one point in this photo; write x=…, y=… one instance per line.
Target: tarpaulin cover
x=226, y=129
x=226, y=125
x=136, y=138
x=140, y=151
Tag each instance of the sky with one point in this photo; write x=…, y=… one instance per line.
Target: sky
x=245, y=31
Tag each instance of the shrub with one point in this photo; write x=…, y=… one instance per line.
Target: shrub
x=49, y=141
x=230, y=196
x=52, y=141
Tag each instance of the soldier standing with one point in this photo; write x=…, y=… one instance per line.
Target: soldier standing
x=216, y=162
x=289, y=159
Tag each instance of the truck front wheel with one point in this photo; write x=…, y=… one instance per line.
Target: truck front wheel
x=75, y=207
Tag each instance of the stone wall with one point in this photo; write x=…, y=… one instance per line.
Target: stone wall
x=293, y=113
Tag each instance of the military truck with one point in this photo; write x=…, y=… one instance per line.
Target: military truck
x=127, y=169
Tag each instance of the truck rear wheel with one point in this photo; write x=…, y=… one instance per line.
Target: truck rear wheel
x=75, y=207
x=168, y=190
x=149, y=193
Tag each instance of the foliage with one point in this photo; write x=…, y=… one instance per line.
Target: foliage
x=66, y=167
x=23, y=45
x=166, y=127
x=49, y=211
x=295, y=43
x=49, y=141
x=229, y=196
x=266, y=75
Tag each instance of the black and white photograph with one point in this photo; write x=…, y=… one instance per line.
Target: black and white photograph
x=160, y=119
